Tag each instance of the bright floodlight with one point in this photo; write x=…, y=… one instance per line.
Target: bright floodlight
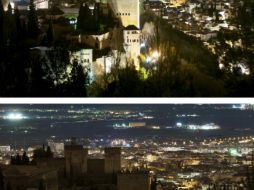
x=15, y=116
x=143, y=45
x=148, y=59
x=155, y=54
x=179, y=124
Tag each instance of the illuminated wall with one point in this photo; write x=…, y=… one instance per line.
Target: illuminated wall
x=132, y=44
x=127, y=10
x=5, y=4
x=42, y=4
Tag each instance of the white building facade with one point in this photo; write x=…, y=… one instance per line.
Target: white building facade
x=132, y=37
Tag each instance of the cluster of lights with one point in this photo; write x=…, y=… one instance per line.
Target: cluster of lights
x=15, y=116
x=153, y=57
x=234, y=152
x=209, y=126
x=120, y=126
x=187, y=115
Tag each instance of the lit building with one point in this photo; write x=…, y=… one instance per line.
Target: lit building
x=132, y=36
x=5, y=148
x=84, y=57
x=129, y=14
x=41, y=4
x=56, y=147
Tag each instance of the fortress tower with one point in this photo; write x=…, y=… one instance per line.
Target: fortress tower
x=75, y=160
x=127, y=10
x=112, y=160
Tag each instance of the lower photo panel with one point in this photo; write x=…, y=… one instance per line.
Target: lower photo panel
x=126, y=146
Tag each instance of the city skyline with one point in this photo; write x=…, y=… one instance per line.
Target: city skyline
x=127, y=146
x=31, y=124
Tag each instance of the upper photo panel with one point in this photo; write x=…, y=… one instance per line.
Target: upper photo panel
x=126, y=48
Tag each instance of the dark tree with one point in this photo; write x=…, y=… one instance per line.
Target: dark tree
x=49, y=153
x=1, y=24
x=42, y=153
x=78, y=81
x=41, y=185
x=8, y=186
x=126, y=83
x=1, y=179
x=154, y=184
x=50, y=33
x=9, y=10
x=10, y=27
x=19, y=29
x=18, y=159
x=80, y=19
x=25, y=159
x=33, y=26
x=85, y=19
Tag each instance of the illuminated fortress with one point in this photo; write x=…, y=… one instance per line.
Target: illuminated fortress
x=127, y=10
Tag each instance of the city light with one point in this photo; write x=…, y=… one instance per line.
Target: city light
x=208, y=126
x=15, y=116
x=234, y=152
x=179, y=124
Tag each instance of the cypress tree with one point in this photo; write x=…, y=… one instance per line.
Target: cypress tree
x=49, y=153
x=80, y=18
x=18, y=159
x=19, y=29
x=33, y=27
x=9, y=10
x=85, y=19
x=88, y=19
x=11, y=31
x=1, y=23
x=97, y=17
x=25, y=159
x=50, y=33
